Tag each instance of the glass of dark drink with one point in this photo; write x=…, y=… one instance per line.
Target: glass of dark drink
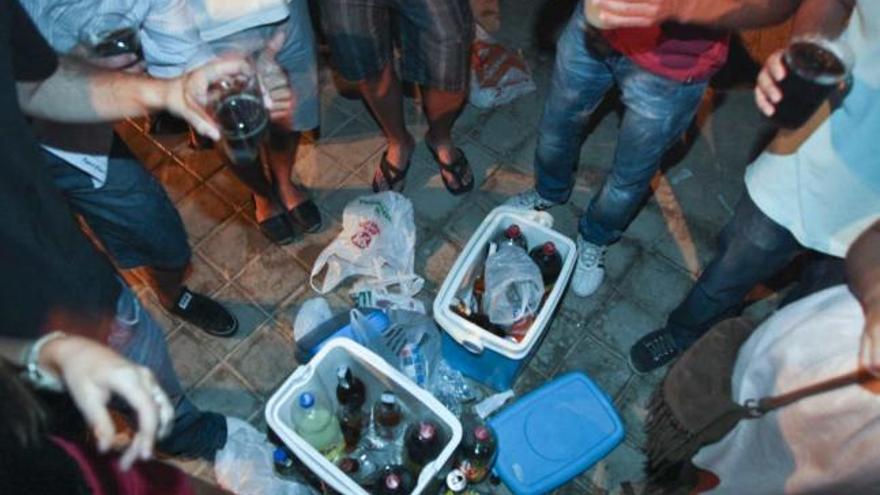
x=236, y=104
x=815, y=67
x=107, y=34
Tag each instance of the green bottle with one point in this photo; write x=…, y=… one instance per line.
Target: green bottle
x=318, y=426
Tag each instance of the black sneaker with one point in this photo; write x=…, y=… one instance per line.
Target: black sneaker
x=205, y=313
x=653, y=351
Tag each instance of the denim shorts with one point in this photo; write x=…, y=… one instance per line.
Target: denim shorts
x=130, y=214
x=434, y=39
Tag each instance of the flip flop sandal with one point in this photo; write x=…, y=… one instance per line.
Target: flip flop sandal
x=392, y=175
x=460, y=168
x=305, y=217
x=277, y=229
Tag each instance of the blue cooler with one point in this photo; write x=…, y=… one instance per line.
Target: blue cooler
x=476, y=352
x=554, y=433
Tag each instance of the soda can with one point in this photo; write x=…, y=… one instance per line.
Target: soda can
x=413, y=363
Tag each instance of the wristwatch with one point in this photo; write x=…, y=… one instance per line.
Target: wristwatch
x=33, y=372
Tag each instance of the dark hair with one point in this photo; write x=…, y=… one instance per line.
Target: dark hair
x=29, y=461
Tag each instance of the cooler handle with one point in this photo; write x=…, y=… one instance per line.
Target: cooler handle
x=542, y=218
x=474, y=346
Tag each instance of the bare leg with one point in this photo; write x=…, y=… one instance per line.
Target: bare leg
x=385, y=98
x=168, y=284
x=253, y=176
x=441, y=109
x=282, y=153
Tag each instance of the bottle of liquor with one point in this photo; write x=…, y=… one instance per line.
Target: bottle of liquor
x=513, y=236
x=549, y=262
x=422, y=444
x=314, y=422
x=350, y=391
x=477, y=454
x=351, y=394
x=354, y=470
x=394, y=480
x=387, y=416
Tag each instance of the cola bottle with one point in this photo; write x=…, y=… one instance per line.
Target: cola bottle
x=283, y=462
x=422, y=444
x=513, y=235
x=387, y=416
x=351, y=422
x=547, y=257
x=353, y=469
x=394, y=480
x=456, y=484
x=477, y=454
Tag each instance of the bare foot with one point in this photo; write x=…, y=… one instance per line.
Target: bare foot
x=265, y=208
x=398, y=155
x=448, y=153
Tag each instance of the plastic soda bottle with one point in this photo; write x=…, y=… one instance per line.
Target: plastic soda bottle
x=318, y=426
x=547, y=257
x=394, y=480
x=477, y=453
x=456, y=484
x=350, y=391
x=387, y=416
x=513, y=235
x=422, y=444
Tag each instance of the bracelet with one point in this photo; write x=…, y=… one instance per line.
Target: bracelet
x=33, y=372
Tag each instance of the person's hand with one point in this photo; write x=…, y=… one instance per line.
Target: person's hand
x=187, y=96
x=92, y=373
x=613, y=14
x=870, y=351
x=126, y=62
x=767, y=92
x=273, y=79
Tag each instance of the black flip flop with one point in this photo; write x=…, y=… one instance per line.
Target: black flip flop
x=305, y=217
x=459, y=169
x=277, y=229
x=392, y=175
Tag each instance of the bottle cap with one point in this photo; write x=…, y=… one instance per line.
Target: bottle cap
x=456, y=480
x=512, y=231
x=392, y=481
x=427, y=431
x=481, y=433
x=388, y=398
x=306, y=400
x=549, y=249
x=280, y=456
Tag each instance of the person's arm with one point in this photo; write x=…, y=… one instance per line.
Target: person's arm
x=79, y=92
x=729, y=14
x=863, y=278
x=92, y=373
x=827, y=18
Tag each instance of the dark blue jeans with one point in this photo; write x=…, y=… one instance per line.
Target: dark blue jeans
x=658, y=111
x=137, y=336
x=131, y=213
x=751, y=248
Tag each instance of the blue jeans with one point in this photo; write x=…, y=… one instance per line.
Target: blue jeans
x=751, y=249
x=138, y=337
x=658, y=111
x=131, y=213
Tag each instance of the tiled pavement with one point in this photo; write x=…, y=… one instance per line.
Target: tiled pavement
x=648, y=271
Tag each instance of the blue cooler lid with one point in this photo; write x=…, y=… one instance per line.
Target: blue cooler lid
x=554, y=433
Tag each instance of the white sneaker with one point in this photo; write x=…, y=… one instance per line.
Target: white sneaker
x=529, y=200
x=590, y=269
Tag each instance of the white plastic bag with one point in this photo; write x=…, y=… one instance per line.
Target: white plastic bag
x=498, y=75
x=244, y=465
x=388, y=294
x=378, y=240
x=311, y=314
x=514, y=286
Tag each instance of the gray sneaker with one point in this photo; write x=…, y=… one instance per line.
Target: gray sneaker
x=590, y=268
x=529, y=200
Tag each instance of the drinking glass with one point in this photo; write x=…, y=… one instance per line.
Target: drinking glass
x=815, y=67
x=236, y=104
x=107, y=34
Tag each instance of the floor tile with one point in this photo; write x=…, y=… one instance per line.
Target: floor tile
x=265, y=360
x=202, y=212
x=224, y=392
x=234, y=245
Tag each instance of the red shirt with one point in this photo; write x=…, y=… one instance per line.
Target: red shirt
x=677, y=51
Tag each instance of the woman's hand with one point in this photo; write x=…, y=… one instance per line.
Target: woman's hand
x=92, y=373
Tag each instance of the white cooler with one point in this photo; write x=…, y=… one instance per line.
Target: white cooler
x=477, y=353
x=378, y=376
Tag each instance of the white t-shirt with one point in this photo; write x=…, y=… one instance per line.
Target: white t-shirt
x=828, y=191
x=827, y=443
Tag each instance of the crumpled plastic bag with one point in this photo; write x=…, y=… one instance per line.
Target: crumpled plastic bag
x=244, y=465
x=311, y=314
x=498, y=75
x=514, y=286
x=378, y=240
x=411, y=343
